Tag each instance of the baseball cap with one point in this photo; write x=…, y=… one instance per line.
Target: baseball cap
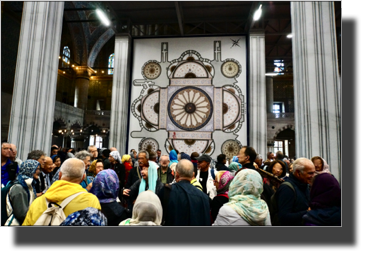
x=205, y=158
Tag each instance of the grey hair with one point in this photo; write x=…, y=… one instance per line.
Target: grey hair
x=146, y=152
x=73, y=170
x=299, y=165
x=35, y=154
x=185, y=168
x=82, y=155
x=258, y=156
x=88, y=148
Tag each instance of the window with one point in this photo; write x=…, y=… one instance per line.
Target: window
x=96, y=140
x=111, y=64
x=277, y=108
x=278, y=146
x=66, y=55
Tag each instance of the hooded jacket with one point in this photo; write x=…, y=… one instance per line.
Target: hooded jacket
x=59, y=191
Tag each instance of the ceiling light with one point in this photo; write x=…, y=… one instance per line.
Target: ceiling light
x=72, y=65
x=103, y=17
x=257, y=14
x=271, y=74
x=289, y=36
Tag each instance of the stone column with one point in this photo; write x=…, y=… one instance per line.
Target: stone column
x=120, y=93
x=316, y=83
x=257, y=93
x=269, y=94
x=81, y=90
x=34, y=92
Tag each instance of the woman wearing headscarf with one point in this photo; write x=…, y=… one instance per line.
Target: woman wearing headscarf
x=23, y=192
x=86, y=217
x=119, y=168
x=173, y=159
x=245, y=206
x=236, y=160
x=127, y=162
x=106, y=188
x=222, y=182
x=149, y=181
x=233, y=167
x=278, y=169
x=147, y=211
x=321, y=166
x=325, y=203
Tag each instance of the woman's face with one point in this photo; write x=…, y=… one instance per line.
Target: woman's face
x=144, y=173
x=58, y=162
x=277, y=169
x=111, y=159
x=36, y=173
x=318, y=164
x=98, y=167
x=216, y=182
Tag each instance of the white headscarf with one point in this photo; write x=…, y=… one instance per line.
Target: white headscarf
x=116, y=156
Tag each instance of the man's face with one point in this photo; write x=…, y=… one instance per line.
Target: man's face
x=203, y=165
x=41, y=161
x=93, y=151
x=164, y=161
x=271, y=156
x=159, y=153
x=307, y=175
x=258, y=161
x=98, y=167
x=243, y=159
x=48, y=165
x=5, y=150
x=13, y=151
x=54, y=152
x=144, y=173
x=142, y=161
x=87, y=162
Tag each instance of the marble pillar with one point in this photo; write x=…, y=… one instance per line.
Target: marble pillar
x=34, y=91
x=120, y=93
x=257, y=132
x=81, y=90
x=317, y=87
x=269, y=94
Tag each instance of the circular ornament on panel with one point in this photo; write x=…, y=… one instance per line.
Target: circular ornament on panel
x=190, y=68
x=230, y=68
x=231, y=108
x=190, y=108
x=198, y=146
x=150, y=108
x=148, y=144
x=151, y=70
x=231, y=148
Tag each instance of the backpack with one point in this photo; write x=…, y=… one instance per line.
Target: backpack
x=54, y=215
x=274, y=205
x=4, y=193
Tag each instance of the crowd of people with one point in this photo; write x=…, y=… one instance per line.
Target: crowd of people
x=104, y=188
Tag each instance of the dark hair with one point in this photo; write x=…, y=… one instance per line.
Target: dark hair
x=35, y=155
x=106, y=153
x=159, y=150
x=55, y=158
x=54, y=148
x=221, y=157
x=249, y=151
x=272, y=164
x=99, y=161
x=279, y=155
x=152, y=155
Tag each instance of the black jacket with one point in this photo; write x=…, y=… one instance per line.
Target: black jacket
x=220, y=166
x=114, y=213
x=170, y=177
x=249, y=165
x=119, y=168
x=135, y=187
x=134, y=175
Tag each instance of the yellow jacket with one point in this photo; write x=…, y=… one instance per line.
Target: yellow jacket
x=195, y=183
x=59, y=191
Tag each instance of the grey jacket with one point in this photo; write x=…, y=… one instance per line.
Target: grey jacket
x=229, y=217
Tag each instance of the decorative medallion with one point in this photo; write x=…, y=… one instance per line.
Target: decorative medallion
x=190, y=108
x=231, y=148
x=197, y=146
x=149, y=144
x=190, y=68
x=230, y=69
x=150, y=106
x=231, y=108
x=151, y=70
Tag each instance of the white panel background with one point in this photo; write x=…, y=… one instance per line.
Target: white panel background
x=150, y=49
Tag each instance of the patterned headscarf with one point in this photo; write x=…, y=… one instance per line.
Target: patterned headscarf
x=225, y=178
x=106, y=186
x=147, y=210
x=116, y=156
x=86, y=217
x=244, y=197
x=125, y=158
x=27, y=171
x=152, y=178
x=325, y=166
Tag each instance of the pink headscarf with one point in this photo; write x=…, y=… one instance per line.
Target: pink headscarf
x=325, y=166
x=224, y=183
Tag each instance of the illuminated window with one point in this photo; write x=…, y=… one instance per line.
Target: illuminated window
x=111, y=64
x=96, y=140
x=66, y=54
x=278, y=146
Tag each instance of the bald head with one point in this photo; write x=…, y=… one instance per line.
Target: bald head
x=72, y=170
x=48, y=165
x=184, y=169
x=113, y=149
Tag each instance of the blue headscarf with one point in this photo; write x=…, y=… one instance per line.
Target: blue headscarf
x=185, y=156
x=86, y=217
x=106, y=186
x=152, y=178
x=173, y=157
x=236, y=160
x=27, y=171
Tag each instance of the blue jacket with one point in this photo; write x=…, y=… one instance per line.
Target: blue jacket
x=323, y=217
x=292, y=206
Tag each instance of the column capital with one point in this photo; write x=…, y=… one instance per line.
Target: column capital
x=84, y=71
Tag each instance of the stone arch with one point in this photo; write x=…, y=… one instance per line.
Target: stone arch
x=292, y=127
x=99, y=45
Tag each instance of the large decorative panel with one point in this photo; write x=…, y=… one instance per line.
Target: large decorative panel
x=191, y=94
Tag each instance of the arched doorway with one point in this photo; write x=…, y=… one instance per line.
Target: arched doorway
x=285, y=142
